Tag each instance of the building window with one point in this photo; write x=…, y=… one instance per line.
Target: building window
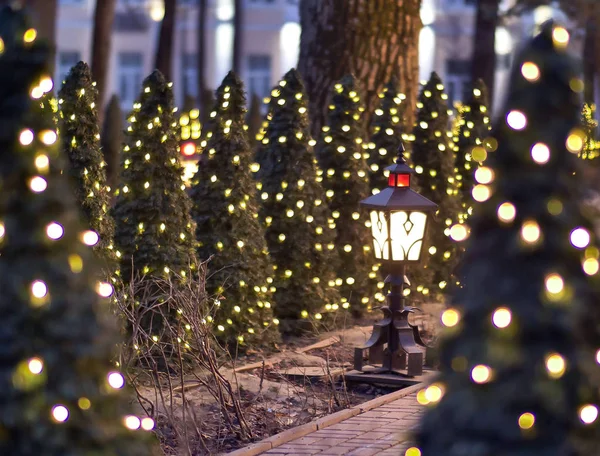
x=189, y=74
x=259, y=75
x=131, y=67
x=66, y=61
x=458, y=80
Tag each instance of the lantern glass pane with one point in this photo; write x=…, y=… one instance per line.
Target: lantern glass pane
x=407, y=232
x=381, y=241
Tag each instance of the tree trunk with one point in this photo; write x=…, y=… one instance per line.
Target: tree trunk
x=372, y=39
x=204, y=96
x=165, y=40
x=103, y=21
x=238, y=26
x=483, y=63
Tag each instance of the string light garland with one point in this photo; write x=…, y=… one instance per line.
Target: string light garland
x=301, y=244
x=523, y=269
x=225, y=209
x=62, y=344
x=340, y=153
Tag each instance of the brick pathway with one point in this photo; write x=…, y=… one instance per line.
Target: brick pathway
x=381, y=431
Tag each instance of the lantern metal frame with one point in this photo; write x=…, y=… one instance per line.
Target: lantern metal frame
x=395, y=344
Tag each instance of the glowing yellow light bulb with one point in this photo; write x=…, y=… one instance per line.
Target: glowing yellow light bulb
x=556, y=365
x=39, y=289
x=132, y=422
x=30, y=35
x=104, y=289
x=434, y=392
x=560, y=37
x=412, y=451
x=540, y=153
x=481, y=193
x=591, y=266
x=484, y=175
x=575, y=141
x=26, y=137
x=526, y=421
x=588, y=414
x=36, y=366
x=554, y=283
x=502, y=317
x=530, y=71
x=48, y=137
x=459, y=232
x=530, y=232
x=481, y=374
x=507, y=212
x=450, y=317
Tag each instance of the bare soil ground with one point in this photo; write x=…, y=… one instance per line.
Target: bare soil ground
x=273, y=393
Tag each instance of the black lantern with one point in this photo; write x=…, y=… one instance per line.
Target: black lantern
x=399, y=219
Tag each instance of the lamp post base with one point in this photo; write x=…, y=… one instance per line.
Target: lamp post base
x=395, y=344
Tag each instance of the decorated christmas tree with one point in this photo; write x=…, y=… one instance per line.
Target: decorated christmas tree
x=228, y=228
x=300, y=231
x=60, y=393
x=81, y=143
x=112, y=141
x=474, y=127
x=512, y=374
x=346, y=182
x=433, y=159
x=154, y=228
x=387, y=130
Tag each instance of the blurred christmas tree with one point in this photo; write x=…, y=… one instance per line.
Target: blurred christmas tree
x=154, y=230
x=387, y=133
x=346, y=182
x=81, y=142
x=474, y=127
x=112, y=141
x=228, y=229
x=433, y=160
x=60, y=393
x=300, y=231
x=512, y=379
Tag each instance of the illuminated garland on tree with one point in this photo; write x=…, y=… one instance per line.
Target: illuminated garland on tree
x=474, y=127
x=591, y=149
x=228, y=229
x=433, y=159
x=513, y=378
x=300, y=231
x=152, y=210
x=345, y=180
x=387, y=134
x=59, y=391
x=81, y=143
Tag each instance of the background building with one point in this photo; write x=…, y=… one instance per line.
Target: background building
x=271, y=37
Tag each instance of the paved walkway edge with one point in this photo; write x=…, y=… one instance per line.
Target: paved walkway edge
x=321, y=423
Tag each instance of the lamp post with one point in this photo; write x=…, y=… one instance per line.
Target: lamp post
x=399, y=220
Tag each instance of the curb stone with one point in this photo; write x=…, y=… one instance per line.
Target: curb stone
x=300, y=431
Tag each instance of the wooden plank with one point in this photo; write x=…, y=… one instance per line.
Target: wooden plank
x=385, y=379
x=321, y=344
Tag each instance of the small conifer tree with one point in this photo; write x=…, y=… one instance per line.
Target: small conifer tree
x=433, y=159
x=81, y=143
x=514, y=379
x=228, y=228
x=154, y=229
x=300, y=231
x=346, y=182
x=60, y=393
x=387, y=131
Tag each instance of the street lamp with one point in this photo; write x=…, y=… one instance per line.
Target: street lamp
x=399, y=220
